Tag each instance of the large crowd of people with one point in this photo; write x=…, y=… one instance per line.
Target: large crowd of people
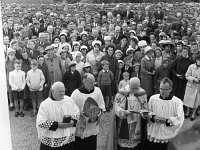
x=119, y=60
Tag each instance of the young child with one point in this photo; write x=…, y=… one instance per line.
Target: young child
x=35, y=80
x=95, y=74
x=124, y=85
x=136, y=70
x=10, y=61
x=118, y=54
x=79, y=63
x=104, y=82
x=127, y=66
x=17, y=82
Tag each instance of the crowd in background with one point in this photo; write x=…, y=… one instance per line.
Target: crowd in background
x=113, y=45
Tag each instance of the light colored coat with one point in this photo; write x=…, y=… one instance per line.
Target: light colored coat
x=192, y=91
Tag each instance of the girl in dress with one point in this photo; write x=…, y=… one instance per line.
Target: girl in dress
x=124, y=85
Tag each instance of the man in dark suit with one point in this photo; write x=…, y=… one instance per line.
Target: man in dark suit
x=117, y=37
x=159, y=15
x=128, y=14
x=125, y=29
x=36, y=28
x=139, y=17
x=152, y=24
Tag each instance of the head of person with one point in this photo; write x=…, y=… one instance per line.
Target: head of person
x=107, y=40
x=136, y=67
x=179, y=46
x=96, y=45
x=125, y=75
x=121, y=64
x=11, y=54
x=72, y=66
x=6, y=40
x=165, y=63
x=142, y=44
x=58, y=91
x=49, y=51
x=158, y=52
x=165, y=87
x=17, y=64
x=118, y=54
x=197, y=60
x=148, y=51
x=127, y=61
x=34, y=64
x=110, y=49
x=41, y=59
x=105, y=65
x=88, y=81
x=134, y=85
x=185, y=52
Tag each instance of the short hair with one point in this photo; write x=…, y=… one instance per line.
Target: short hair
x=34, y=62
x=167, y=80
x=125, y=73
x=17, y=61
x=126, y=59
x=104, y=62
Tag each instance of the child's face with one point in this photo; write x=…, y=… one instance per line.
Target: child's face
x=158, y=53
x=126, y=77
x=41, y=49
x=11, y=56
x=17, y=66
x=194, y=48
x=34, y=66
x=105, y=67
x=128, y=63
x=137, y=68
x=118, y=55
x=94, y=72
x=25, y=55
x=63, y=54
x=121, y=65
x=76, y=48
x=165, y=64
x=41, y=60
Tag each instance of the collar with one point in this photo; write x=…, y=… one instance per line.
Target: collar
x=168, y=98
x=85, y=91
x=147, y=57
x=104, y=70
x=160, y=58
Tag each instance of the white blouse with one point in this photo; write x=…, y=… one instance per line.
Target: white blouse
x=51, y=111
x=171, y=109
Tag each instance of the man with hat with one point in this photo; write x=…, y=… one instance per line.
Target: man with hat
x=71, y=78
x=86, y=97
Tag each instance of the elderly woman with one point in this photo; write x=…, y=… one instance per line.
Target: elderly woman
x=56, y=120
x=179, y=68
x=147, y=71
x=127, y=122
x=192, y=91
x=53, y=63
x=95, y=55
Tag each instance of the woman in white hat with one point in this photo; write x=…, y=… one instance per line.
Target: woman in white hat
x=140, y=53
x=147, y=71
x=95, y=55
x=86, y=69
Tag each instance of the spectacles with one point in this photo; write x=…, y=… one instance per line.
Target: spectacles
x=161, y=89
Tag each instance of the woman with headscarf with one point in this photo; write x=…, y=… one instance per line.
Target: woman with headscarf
x=127, y=127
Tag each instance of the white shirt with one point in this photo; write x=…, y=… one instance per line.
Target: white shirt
x=17, y=79
x=53, y=111
x=172, y=109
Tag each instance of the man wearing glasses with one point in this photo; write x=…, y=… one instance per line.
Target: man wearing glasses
x=165, y=119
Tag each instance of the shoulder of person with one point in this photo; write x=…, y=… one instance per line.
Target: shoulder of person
x=177, y=100
x=141, y=92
